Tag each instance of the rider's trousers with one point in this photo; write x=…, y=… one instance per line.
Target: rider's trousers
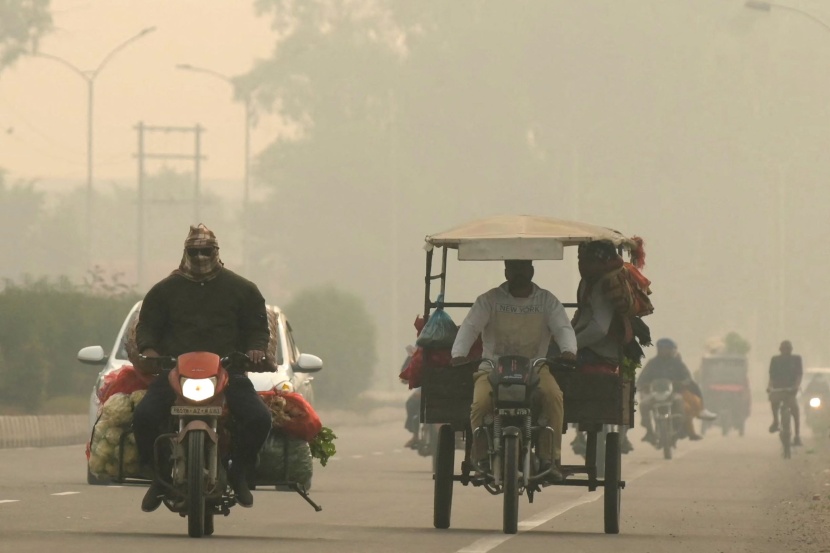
x=253, y=419
x=553, y=409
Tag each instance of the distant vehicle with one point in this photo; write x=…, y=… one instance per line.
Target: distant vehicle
x=291, y=375
x=724, y=381
x=816, y=399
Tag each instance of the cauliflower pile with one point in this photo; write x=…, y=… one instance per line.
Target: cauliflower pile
x=105, y=453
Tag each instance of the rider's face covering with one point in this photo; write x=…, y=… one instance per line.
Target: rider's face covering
x=201, y=255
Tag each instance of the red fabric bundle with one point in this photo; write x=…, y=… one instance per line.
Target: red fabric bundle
x=302, y=421
x=125, y=380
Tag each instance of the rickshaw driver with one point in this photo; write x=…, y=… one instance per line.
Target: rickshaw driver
x=518, y=318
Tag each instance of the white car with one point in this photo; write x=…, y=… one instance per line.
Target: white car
x=291, y=375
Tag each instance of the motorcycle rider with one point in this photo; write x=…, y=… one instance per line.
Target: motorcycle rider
x=668, y=364
x=785, y=371
x=518, y=318
x=202, y=306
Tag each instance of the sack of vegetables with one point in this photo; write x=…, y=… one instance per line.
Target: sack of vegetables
x=283, y=459
x=112, y=450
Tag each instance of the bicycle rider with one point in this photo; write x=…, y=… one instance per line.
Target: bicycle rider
x=785, y=373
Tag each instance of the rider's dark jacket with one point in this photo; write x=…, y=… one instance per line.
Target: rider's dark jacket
x=221, y=315
x=671, y=368
x=785, y=371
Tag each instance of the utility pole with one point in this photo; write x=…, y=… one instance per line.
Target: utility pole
x=142, y=155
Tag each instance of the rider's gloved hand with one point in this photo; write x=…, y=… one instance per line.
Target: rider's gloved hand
x=145, y=366
x=257, y=357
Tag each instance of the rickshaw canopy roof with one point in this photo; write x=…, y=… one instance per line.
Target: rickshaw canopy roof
x=521, y=237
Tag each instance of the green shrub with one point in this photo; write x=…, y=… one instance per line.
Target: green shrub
x=44, y=324
x=336, y=326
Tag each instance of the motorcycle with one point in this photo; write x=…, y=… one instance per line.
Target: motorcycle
x=513, y=434
x=197, y=443
x=667, y=422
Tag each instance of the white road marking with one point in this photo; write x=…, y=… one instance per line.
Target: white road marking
x=484, y=545
x=397, y=451
x=334, y=459
x=357, y=456
x=66, y=493
x=377, y=453
x=9, y=500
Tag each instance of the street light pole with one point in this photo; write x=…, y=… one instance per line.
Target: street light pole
x=248, y=100
x=768, y=7
x=89, y=78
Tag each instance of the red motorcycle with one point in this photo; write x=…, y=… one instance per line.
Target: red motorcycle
x=197, y=442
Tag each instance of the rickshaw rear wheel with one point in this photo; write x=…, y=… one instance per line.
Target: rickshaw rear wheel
x=613, y=477
x=444, y=460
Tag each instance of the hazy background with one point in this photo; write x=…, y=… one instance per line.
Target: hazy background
x=701, y=126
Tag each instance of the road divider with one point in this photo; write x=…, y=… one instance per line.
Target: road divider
x=43, y=431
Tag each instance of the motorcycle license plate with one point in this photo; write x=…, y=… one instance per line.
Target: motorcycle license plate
x=198, y=410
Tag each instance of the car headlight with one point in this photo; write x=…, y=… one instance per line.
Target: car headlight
x=285, y=386
x=815, y=402
x=198, y=389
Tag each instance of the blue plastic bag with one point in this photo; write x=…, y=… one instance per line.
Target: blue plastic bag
x=439, y=331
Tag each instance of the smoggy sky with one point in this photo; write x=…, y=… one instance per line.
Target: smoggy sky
x=43, y=105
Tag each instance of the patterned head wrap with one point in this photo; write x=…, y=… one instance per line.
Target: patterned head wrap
x=201, y=267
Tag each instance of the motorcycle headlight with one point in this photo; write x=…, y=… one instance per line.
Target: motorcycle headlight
x=815, y=402
x=198, y=389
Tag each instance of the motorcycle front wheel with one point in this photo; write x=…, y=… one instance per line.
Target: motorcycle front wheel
x=511, y=485
x=196, y=484
x=665, y=438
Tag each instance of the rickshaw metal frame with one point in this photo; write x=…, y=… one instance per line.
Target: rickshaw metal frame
x=591, y=424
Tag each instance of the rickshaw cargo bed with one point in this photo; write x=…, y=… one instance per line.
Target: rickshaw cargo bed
x=596, y=398
x=446, y=395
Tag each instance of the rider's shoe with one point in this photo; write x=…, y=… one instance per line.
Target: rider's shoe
x=773, y=428
x=413, y=443
x=152, y=499
x=482, y=468
x=650, y=437
x=707, y=415
x=797, y=441
x=555, y=474
x=695, y=437
x=239, y=483
x=625, y=445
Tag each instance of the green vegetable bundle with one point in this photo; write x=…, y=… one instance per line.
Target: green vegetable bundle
x=322, y=446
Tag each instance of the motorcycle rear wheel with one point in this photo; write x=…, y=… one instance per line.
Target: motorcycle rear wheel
x=511, y=485
x=196, y=484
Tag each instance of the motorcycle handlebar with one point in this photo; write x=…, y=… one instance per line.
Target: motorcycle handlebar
x=235, y=363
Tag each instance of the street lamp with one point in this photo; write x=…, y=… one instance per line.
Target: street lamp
x=768, y=6
x=246, y=177
x=89, y=77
